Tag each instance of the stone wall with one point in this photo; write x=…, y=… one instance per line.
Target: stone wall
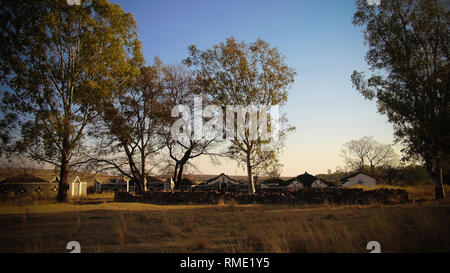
x=299, y=197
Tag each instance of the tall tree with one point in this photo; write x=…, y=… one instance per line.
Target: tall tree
x=408, y=46
x=128, y=132
x=239, y=74
x=58, y=62
x=181, y=87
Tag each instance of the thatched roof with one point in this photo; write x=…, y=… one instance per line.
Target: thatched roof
x=153, y=179
x=306, y=179
x=24, y=178
x=346, y=178
x=186, y=182
x=220, y=175
x=277, y=181
x=328, y=183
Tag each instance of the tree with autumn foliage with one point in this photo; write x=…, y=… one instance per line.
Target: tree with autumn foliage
x=58, y=64
x=247, y=75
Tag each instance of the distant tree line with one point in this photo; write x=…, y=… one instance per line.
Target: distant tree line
x=368, y=156
x=409, y=175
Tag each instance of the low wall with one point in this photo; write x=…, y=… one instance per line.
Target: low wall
x=28, y=191
x=303, y=196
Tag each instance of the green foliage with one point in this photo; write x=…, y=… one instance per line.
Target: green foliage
x=236, y=73
x=414, y=175
x=58, y=63
x=127, y=134
x=408, y=46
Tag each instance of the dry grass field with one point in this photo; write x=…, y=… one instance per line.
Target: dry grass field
x=101, y=225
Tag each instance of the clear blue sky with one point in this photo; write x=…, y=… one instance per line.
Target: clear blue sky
x=318, y=41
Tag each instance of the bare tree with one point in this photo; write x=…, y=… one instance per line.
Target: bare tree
x=367, y=151
x=354, y=153
x=181, y=88
x=381, y=155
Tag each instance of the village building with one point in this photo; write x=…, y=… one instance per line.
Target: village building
x=272, y=183
x=77, y=187
x=114, y=184
x=294, y=185
x=305, y=180
x=186, y=184
x=125, y=184
x=358, y=179
x=280, y=184
x=222, y=182
x=320, y=183
x=25, y=185
x=169, y=184
x=157, y=184
x=302, y=181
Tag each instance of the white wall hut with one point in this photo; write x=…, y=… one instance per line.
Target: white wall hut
x=294, y=185
x=77, y=187
x=305, y=180
x=114, y=184
x=158, y=184
x=321, y=184
x=169, y=184
x=358, y=179
x=220, y=182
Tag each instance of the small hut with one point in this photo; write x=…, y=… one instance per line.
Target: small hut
x=358, y=179
x=221, y=182
x=302, y=181
x=77, y=188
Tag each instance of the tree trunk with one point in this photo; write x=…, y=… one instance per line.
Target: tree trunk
x=439, y=188
x=251, y=184
x=63, y=184
x=143, y=183
x=143, y=175
x=179, y=176
x=175, y=174
x=139, y=183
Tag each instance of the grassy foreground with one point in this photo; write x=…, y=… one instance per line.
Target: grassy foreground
x=133, y=227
